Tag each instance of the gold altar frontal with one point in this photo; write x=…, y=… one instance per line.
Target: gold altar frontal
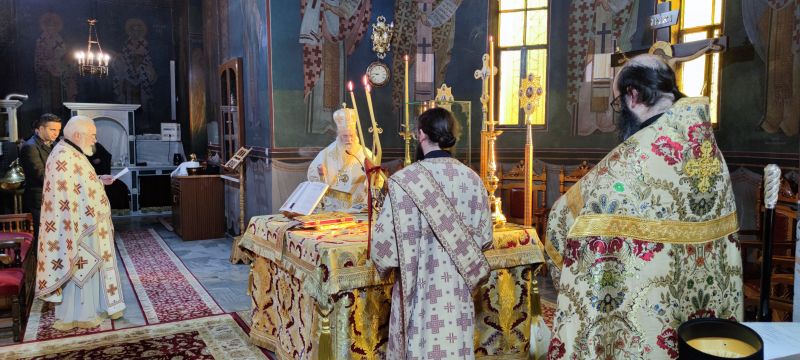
x=317, y=296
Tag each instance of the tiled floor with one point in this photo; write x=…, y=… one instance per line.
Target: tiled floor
x=208, y=260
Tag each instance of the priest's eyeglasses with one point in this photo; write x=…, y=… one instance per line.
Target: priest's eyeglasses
x=616, y=104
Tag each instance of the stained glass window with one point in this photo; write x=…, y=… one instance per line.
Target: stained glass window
x=522, y=49
x=701, y=19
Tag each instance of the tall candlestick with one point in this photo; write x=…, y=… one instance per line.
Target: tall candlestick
x=368, y=90
x=358, y=121
x=491, y=83
x=407, y=131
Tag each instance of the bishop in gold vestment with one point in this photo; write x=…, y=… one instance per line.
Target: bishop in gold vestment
x=341, y=166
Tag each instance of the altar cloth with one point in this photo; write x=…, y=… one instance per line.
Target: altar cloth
x=316, y=294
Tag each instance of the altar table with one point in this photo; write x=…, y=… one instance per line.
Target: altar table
x=317, y=296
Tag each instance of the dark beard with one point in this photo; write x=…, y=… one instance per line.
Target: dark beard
x=627, y=123
x=420, y=155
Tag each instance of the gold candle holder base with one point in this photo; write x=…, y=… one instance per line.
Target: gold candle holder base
x=498, y=219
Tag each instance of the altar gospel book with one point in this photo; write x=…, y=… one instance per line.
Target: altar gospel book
x=305, y=198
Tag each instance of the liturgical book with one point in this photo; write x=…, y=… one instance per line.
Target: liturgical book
x=305, y=198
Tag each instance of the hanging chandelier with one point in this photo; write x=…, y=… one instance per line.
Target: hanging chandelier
x=93, y=62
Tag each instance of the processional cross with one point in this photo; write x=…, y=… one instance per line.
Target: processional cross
x=661, y=23
x=484, y=75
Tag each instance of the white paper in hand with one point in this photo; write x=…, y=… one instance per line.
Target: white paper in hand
x=119, y=174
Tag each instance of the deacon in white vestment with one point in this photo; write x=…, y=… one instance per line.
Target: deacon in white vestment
x=341, y=166
x=433, y=227
x=77, y=264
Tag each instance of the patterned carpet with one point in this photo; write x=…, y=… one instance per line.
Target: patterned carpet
x=212, y=337
x=41, y=319
x=166, y=290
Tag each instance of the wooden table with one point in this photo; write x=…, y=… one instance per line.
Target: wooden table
x=317, y=296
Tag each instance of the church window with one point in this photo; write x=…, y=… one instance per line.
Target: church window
x=522, y=29
x=701, y=19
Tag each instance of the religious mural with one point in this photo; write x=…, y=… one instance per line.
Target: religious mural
x=55, y=78
x=425, y=30
x=134, y=83
x=6, y=23
x=773, y=27
x=330, y=30
x=596, y=30
x=255, y=71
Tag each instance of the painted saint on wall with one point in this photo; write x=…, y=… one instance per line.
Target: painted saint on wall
x=54, y=78
x=134, y=79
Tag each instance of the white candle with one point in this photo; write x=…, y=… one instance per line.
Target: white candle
x=405, y=61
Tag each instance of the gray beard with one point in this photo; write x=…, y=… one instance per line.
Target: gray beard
x=89, y=150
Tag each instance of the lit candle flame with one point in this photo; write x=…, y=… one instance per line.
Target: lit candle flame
x=350, y=86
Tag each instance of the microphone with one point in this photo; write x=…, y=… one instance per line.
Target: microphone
x=357, y=160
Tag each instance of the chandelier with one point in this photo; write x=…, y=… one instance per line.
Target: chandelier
x=91, y=62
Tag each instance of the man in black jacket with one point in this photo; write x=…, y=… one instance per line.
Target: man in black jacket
x=33, y=157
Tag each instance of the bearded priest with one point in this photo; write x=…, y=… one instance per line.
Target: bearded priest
x=341, y=166
x=647, y=239
x=77, y=267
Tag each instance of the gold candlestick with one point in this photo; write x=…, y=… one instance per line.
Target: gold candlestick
x=358, y=122
x=406, y=133
x=377, y=150
x=489, y=158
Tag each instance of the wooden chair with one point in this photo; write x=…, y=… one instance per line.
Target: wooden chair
x=17, y=261
x=783, y=247
x=566, y=181
x=514, y=183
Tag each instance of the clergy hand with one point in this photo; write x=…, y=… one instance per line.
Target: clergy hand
x=106, y=179
x=321, y=172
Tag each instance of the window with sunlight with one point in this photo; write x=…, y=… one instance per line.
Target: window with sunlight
x=522, y=49
x=701, y=19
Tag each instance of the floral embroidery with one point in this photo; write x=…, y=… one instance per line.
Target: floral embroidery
x=556, y=349
x=604, y=206
x=668, y=340
x=703, y=313
x=573, y=250
x=670, y=150
x=698, y=134
x=600, y=247
x=645, y=250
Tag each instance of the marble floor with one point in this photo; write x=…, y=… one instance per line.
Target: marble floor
x=209, y=261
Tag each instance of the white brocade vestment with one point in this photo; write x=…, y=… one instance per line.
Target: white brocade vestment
x=77, y=265
x=344, y=175
x=432, y=312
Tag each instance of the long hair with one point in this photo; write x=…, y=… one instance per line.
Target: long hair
x=653, y=80
x=440, y=126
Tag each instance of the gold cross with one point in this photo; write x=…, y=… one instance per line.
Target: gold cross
x=484, y=74
x=704, y=168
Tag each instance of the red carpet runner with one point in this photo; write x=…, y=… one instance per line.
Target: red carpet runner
x=41, y=319
x=166, y=290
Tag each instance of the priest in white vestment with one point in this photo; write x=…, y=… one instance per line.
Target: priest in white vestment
x=77, y=263
x=341, y=166
x=433, y=226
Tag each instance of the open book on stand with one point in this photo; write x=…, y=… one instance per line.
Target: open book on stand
x=305, y=198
